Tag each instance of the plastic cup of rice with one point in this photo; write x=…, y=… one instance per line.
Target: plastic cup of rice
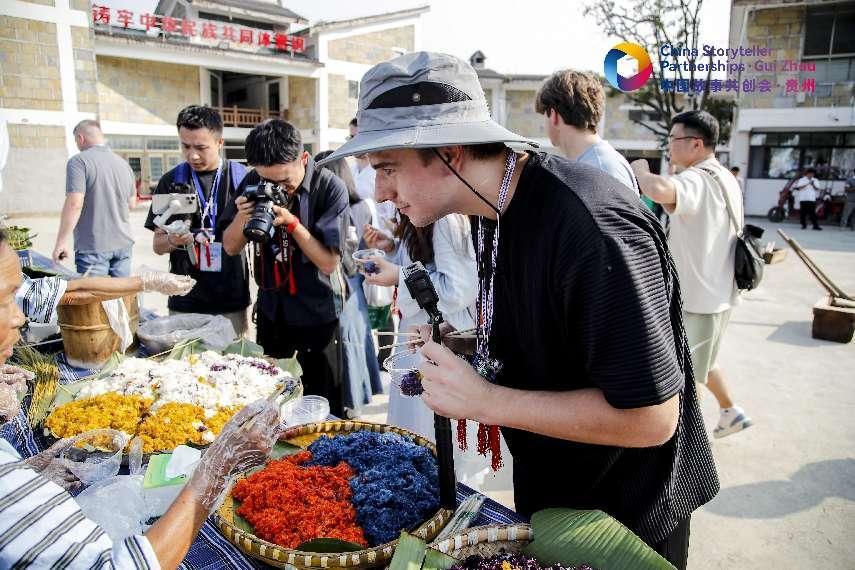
x=363, y=263
x=403, y=366
x=95, y=455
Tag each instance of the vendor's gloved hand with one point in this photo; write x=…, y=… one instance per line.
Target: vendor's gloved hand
x=10, y=374
x=9, y=402
x=245, y=442
x=167, y=283
x=49, y=466
x=13, y=385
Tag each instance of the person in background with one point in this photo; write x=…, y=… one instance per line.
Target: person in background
x=99, y=192
x=301, y=288
x=849, y=207
x=361, y=373
x=222, y=278
x=572, y=103
x=45, y=527
x=739, y=180
x=445, y=249
x=385, y=220
x=806, y=193
x=703, y=242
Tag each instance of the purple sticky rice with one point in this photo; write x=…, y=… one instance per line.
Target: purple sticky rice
x=411, y=383
x=371, y=268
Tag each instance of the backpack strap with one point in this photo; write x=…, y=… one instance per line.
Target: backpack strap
x=723, y=190
x=182, y=174
x=238, y=172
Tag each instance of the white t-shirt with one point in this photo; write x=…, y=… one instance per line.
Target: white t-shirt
x=805, y=189
x=702, y=238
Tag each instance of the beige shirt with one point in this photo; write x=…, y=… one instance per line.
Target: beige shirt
x=702, y=238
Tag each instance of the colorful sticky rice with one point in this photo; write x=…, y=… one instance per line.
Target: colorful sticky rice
x=411, y=383
x=289, y=503
x=115, y=411
x=507, y=561
x=172, y=402
x=396, y=485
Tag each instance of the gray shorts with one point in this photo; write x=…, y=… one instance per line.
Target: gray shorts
x=705, y=332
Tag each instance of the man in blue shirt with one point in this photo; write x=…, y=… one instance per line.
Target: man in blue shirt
x=572, y=103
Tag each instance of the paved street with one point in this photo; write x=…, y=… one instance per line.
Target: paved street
x=788, y=483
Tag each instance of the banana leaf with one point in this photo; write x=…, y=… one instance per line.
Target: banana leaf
x=409, y=554
x=291, y=366
x=573, y=537
x=244, y=347
x=184, y=349
x=328, y=545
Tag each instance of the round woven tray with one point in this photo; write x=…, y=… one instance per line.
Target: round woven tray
x=282, y=557
x=486, y=541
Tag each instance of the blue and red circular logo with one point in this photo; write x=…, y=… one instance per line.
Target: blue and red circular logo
x=627, y=66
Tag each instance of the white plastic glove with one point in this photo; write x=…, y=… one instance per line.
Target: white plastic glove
x=13, y=385
x=244, y=442
x=49, y=466
x=167, y=283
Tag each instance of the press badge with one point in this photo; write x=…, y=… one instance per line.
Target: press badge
x=211, y=257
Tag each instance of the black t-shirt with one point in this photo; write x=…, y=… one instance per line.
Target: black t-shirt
x=321, y=204
x=586, y=295
x=220, y=292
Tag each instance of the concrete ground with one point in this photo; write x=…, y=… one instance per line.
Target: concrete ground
x=788, y=483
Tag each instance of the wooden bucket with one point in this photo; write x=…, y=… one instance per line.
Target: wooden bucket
x=86, y=333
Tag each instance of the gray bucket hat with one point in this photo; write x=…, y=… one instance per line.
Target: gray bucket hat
x=422, y=100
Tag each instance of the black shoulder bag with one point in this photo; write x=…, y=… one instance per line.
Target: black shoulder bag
x=748, y=265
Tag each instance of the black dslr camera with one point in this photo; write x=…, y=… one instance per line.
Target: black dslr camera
x=264, y=195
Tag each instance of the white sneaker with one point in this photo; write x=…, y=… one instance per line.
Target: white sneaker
x=732, y=420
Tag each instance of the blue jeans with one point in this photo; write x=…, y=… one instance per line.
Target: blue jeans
x=116, y=263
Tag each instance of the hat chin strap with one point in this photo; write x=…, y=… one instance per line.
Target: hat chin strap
x=459, y=177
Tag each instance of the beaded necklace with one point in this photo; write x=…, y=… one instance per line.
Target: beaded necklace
x=487, y=366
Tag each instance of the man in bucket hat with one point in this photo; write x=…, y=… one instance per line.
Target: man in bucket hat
x=582, y=356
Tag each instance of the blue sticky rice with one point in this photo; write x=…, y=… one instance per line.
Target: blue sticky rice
x=396, y=485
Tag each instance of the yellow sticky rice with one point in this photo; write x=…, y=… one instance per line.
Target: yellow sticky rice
x=109, y=410
x=171, y=425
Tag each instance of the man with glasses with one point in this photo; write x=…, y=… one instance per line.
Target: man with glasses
x=297, y=269
x=702, y=240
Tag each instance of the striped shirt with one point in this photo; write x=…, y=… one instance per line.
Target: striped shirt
x=41, y=526
x=38, y=298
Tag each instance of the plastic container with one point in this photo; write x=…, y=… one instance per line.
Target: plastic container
x=403, y=366
x=95, y=455
x=309, y=410
x=363, y=264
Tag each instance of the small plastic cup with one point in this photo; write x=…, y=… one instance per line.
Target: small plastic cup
x=403, y=366
x=363, y=264
x=309, y=410
x=95, y=455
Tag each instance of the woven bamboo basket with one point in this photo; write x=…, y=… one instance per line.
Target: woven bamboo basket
x=486, y=541
x=282, y=557
x=87, y=336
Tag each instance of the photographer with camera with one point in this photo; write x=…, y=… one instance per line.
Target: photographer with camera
x=296, y=217
x=222, y=279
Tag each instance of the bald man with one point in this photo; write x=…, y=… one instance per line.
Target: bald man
x=99, y=192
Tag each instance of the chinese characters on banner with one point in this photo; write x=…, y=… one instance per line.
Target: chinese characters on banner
x=103, y=15
x=807, y=85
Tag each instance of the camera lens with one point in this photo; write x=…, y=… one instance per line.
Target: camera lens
x=259, y=228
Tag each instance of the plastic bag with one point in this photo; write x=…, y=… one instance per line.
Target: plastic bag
x=161, y=334
x=116, y=505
